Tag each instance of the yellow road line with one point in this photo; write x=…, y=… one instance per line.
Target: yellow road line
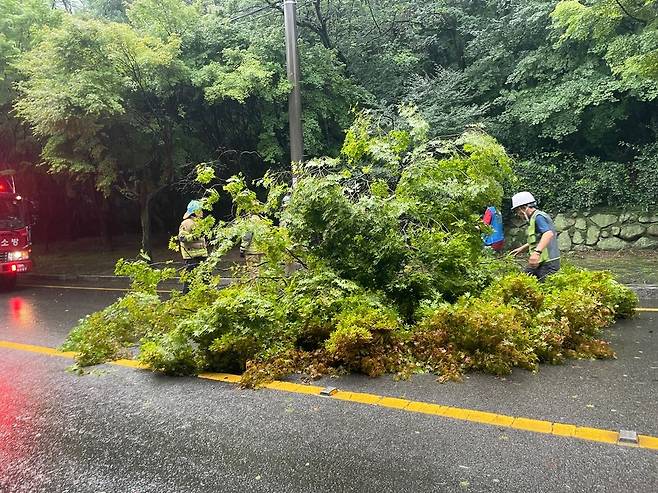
x=36, y=349
x=463, y=414
x=130, y=363
x=221, y=377
x=646, y=309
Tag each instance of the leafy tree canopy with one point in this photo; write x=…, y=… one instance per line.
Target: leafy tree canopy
x=384, y=237
x=132, y=104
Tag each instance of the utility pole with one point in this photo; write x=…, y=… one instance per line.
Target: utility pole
x=295, y=97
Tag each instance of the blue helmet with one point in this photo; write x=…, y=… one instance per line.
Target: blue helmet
x=192, y=207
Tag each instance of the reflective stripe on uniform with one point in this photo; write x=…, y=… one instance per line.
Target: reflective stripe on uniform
x=551, y=252
x=191, y=246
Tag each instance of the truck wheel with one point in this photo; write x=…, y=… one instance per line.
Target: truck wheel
x=8, y=282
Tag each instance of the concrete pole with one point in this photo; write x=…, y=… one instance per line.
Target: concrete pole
x=295, y=98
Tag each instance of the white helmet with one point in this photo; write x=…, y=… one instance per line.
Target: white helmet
x=522, y=198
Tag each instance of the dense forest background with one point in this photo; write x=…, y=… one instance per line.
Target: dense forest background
x=108, y=105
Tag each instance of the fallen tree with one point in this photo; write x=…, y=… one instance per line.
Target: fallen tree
x=373, y=263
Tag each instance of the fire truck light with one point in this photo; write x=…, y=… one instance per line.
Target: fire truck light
x=18, y=255
x=18, y=197
x=13, y=268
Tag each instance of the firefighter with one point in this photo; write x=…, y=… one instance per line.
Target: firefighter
x=192, y=245
x=544, y=256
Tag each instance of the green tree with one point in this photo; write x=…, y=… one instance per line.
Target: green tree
x=624, y=32
x=105, y=101
x=328, y=92
x=131, y=105
x=20, y=22
x=553, y=86
x=112, y=10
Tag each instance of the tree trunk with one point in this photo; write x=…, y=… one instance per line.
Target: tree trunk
x=72, y=209
x=145, y=220
x=103, y=210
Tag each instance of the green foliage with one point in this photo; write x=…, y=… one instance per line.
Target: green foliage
x=245, y=200
x=548, y=335
x=566, y=86
x=239, y=75
x=112, y=10
x=313, y=302
x=164, y=18
x=18, y=22
x=585, y=314
x=645, y=171
x=355, y=228
x=361, y=240
x=518, y=322
x=348, y=341
x=623, y=31
x=566, y=182
x=455, y=110
x=367, y=339
x=491, y=336
x=108, y=334
x=104, y=100
x=170, y=353
x=377, y=273
x=130, y=93
x=128, y=105
x=521, y=291
x=144, y=278
x=21, y=23
x=358, y=330
x=235, y=327
x=598, y=285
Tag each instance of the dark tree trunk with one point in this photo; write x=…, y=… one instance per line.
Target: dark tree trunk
x=103, y=214
x=145, y=198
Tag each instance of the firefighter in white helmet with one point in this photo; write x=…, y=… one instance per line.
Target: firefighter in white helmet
x=544, y=256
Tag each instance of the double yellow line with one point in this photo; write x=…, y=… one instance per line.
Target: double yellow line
x=463, y=414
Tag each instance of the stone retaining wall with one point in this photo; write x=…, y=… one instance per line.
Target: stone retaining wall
x=597, y=230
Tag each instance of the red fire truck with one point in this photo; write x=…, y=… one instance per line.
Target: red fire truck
x=15, y=231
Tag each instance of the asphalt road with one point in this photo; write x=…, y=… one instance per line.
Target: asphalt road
x=124, y=430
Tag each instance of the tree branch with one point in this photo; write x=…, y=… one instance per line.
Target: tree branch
x=625, y=11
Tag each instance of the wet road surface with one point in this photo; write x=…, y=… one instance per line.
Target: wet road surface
x=123, y=430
